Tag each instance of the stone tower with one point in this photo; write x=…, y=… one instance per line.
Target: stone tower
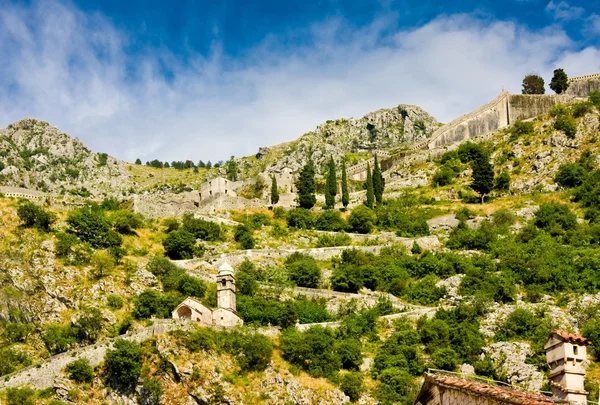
x=226, y=288
x=567, y=357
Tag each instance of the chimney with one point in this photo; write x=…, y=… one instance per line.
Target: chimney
x=566, y=354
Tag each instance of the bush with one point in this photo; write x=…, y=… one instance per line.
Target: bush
x=258, y=220
x=582, y=108
x=244, y=237
x=126, y=222
x=16, y=332
x=114, y=301
x=89, y=224
x=362, y=219
x=180, y=244
x=20, y=396
x=502, y=181
x=201, y=229
x=303, y=270
x=555, y=218
x=445, y=359
x=170, y=224
x=339, y=239
x=89, y=325
x=300, y=218
x=330, y=220
x=152, y=303
x=32, y=215
x=570, y=175
x=397, y=387
x=246, y=278
x=59, y=339
x=12, y=360
x=522, y=128
x=469, y=151
x=352, y=385
x=255, y=352
x=595, y=98
x=80, y=371
x=443, y=176
x=350, y=353
x=123, y=365
x=102, y=264
x=566, y=124
x=312, y=350
x=151, y=392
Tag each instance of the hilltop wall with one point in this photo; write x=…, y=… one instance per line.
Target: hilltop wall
x=485, y=119
x=580, y=86
x=527, y=106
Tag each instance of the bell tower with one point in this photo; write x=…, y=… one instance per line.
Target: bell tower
x=566, y=354
x=226, y=288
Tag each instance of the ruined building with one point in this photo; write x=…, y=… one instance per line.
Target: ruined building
x=566, y=356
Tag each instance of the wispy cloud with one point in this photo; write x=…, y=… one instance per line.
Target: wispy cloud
x=563, y=11
x=78, y=72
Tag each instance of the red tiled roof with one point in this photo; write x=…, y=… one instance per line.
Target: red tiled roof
x=508, y=395
x=571, y=337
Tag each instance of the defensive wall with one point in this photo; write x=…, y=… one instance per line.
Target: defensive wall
x=42, y=375
x=580, y=86
x=359, y=170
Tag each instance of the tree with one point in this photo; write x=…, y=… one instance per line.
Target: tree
x=369, y=188
x=306, y=186
x=123, y=365
x=90, y=225
x=102, y=264
x=362, y=219
x=483, y=176
x=232, y=169
x=352, y=385
x=330, y=185
x=345, y=194
x=274, y=191
x=138, y=161
x=560, y=82
x=378, y=182
x=180, y=244
x=303, y=270
x=32, y=215
x=533, y=84
x=502, y=182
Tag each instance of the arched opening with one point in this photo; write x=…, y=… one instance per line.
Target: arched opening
x=184, y=313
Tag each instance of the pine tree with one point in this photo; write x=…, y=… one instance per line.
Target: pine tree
x=369, y=187
x=330, y=185
x=378, y=182
x=306, y=186
x=483, y=175
x=560, y=82
x=274, y=191
x=345, y=194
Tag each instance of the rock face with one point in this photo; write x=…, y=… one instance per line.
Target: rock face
x=509, y=360
x=38, y=156
x=382, y=129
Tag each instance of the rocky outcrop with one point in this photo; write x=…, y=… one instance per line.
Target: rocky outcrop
x=509, y=361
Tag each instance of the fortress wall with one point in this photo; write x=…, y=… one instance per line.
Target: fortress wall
x=526, y=106
x=582, y=88
x=485, y=119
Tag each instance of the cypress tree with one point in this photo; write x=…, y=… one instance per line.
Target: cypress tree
x=330, y=185
x=274, y=191
x=378, y=182
x=559, y=82
x=369, y=187
x=306, y=186
x=483, y=175
x=345, y=194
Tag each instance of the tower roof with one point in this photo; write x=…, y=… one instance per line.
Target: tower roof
x=571, y=337
x=225, y=269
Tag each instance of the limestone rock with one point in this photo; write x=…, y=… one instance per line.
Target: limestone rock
x=509, y=359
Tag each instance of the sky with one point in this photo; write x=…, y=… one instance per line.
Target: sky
x=208, y=79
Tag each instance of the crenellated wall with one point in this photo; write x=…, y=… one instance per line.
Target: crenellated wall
x=527, y=106
x=580, y=86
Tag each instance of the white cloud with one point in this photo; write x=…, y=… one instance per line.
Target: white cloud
x=75, y=70
x=593, y=24
x=563, y=11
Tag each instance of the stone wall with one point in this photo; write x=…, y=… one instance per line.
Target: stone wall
x=580, y=86
x=485, y=119
x=43, y=375
x=526, y=106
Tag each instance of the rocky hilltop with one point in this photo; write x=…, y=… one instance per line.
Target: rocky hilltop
x=386, y=129
x=35, y=155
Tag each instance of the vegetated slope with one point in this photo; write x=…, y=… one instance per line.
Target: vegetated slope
x=386, y=129
x=38, y=156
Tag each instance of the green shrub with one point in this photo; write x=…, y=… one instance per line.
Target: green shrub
x=559, y=110
x=502, y=181
x=89, y=325
x=16, y=332
x=582, y=108
x=255, y=352
x=201, y=229
x=570, y=175
x=11, y=360
x=350, y=352
x=352, y=385
x=595, y=98
x=330, y=220
x=567, y=124
x=152, y=303
x=397, y=387
x=469, y=151
x=555, y=218
x=362, y=219
x=80, y=371
x=257, y=221
x=126, y=222
x=102, y=264
x=114, y=301
x=20, y=396
x=522, y=128
x=303, y=270
x=279, y=213
x=246, y=278
x=300, y=218
x=445, y=359
x=123, y=365
x=339, y=239
x=89, y=224
x=152, y=392
x=244, y=237
x=443, y=177
x=59, y=339
x=180, y=244
x=522, y=324
x=312, y=350
x=32, y=215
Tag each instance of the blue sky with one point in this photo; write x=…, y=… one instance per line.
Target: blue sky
x=214, y=78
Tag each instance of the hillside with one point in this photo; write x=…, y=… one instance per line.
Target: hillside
x=338, y=305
